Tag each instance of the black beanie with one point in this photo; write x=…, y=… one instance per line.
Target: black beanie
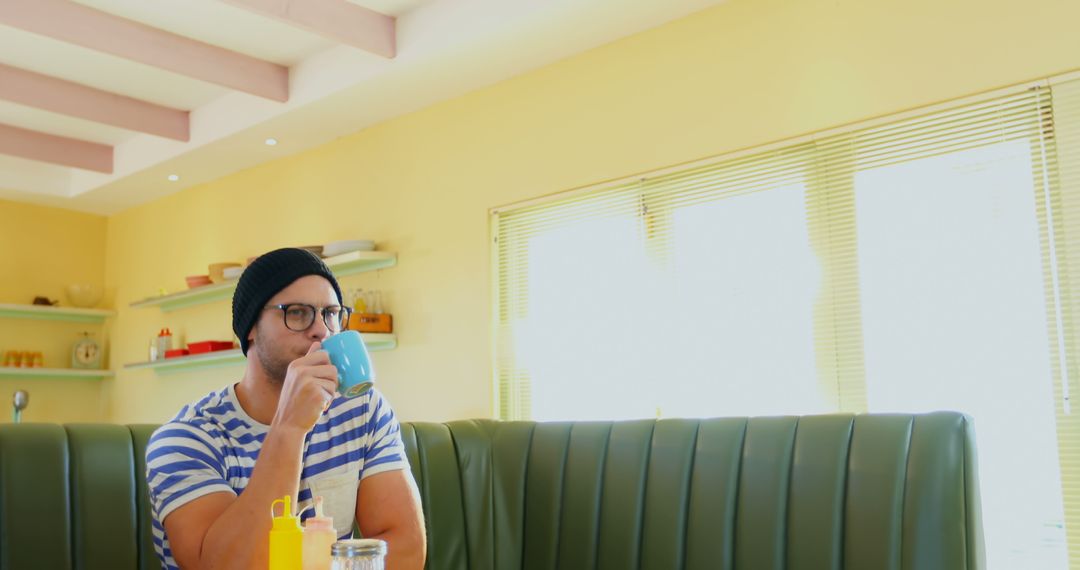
x=268, y=274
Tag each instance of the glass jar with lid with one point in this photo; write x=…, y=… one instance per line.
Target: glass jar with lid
x=358, y=554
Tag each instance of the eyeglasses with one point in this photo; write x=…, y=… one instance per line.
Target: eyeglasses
x=299, y=316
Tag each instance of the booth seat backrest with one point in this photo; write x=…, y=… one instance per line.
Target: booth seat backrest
x=74, y=496
x=873, y=492
x=868, y=492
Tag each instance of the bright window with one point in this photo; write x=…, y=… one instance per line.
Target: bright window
x=918, y=264
x=954, y=319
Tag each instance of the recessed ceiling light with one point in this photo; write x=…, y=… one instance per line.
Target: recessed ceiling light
x=271, y=142
x=174, y=177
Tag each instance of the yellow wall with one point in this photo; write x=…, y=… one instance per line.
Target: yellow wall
x=42, y=250
x=742, y=74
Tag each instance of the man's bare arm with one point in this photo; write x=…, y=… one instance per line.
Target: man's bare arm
x=225, y=531
x=388, y=508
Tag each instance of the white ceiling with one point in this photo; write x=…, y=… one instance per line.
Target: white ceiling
x=445, y=48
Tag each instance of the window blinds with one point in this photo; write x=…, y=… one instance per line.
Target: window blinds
x=733, y=286
x=822, y=172
x=1059, y=216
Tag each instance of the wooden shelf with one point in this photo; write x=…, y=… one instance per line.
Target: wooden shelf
x=10, y=372
x=47, y=313
x=373, y=341
x=342, y=265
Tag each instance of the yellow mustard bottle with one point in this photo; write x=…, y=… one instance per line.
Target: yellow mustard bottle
x=286, y=538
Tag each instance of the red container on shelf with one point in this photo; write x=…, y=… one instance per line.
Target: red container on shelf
x=174, y=352
x=209, y=346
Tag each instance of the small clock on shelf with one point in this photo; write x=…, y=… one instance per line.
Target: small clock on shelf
x=86, y=353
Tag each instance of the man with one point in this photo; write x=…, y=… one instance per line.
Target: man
x=210, y=497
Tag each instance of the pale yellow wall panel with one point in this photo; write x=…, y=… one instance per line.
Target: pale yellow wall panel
x=42, y=250
x=742, y=74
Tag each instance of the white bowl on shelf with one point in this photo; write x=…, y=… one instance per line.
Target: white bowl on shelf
x=217, y=270
x=347, y=246
x=84, y=295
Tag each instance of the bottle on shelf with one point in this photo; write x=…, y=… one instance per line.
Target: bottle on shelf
x=359, y=304
x=164, y=343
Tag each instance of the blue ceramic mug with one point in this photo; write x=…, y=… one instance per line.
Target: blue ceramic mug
x=349, y=355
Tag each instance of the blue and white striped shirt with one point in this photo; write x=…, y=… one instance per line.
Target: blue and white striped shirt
x=211, y=446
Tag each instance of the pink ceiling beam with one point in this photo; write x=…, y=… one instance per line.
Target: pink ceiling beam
x=75, y=100
x=100, y=31
x=337, y=20
x=55, y=150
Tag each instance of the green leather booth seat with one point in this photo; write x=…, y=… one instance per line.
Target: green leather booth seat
x=867, y=492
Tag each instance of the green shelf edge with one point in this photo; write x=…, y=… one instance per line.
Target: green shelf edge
x=64, y=373
x=197, y=362
x=66, y=314
x=374, y=341
x=343, y=265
